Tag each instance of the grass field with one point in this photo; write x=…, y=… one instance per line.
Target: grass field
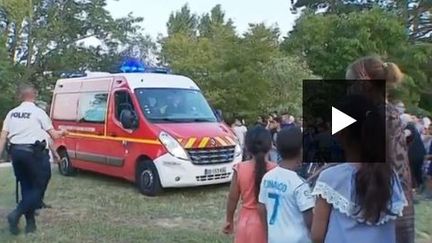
x=93, y=208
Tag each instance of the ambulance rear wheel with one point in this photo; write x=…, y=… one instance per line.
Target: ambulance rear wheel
x=147, y=179
x=65, y=165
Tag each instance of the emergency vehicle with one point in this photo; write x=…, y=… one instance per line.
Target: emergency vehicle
x=154, y=129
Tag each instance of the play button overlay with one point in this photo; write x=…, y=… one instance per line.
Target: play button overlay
x=328, y=120
x=340, y=120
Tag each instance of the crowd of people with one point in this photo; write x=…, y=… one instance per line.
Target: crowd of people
x=274, y=123
x=341, y=202
x=419, y=141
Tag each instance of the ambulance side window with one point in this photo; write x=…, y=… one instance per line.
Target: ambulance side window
x=93, y=107
x=123, y=101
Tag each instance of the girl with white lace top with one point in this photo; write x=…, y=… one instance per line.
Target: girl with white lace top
x=359, y=202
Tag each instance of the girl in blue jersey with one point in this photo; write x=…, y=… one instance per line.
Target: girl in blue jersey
x=358, y=201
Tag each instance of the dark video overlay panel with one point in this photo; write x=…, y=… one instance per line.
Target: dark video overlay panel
x=341, y=118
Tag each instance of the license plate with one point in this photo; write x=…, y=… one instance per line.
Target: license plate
x=215, y=171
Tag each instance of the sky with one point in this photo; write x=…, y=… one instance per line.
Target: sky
x=243, y=12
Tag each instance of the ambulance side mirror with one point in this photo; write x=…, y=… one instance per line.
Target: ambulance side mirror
x=129, y=119
x=219, y=114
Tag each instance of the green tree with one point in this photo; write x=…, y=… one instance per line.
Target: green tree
x=343, y=6
x=331, y=42
x=47, y=35
x=417, y=14
x=210, y=24
x=286, y=76
x=228, y=67
x=419, y=17
x=182, y=21
x=8, y=75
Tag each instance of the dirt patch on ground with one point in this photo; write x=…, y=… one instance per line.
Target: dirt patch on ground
x=180, y=222
x=168, y=223
x=177, y=222
x=57, y=215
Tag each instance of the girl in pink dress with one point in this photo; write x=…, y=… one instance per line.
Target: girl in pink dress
x=245, y=184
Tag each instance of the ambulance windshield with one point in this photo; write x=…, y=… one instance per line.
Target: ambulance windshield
x=174, y=105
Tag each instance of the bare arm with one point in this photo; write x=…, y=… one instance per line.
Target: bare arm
x=56, y=134
x=320, y=220
x=54, y=153
x=233, y=198
x=263, y=216
x=3, y=140
x=307, y=217
x=268, y=126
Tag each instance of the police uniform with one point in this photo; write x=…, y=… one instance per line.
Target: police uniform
x=26, y=126
x=46, y=169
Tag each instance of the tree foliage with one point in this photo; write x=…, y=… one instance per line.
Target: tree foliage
x=416, y=14
x=286, y=77
x=244, y=74
x=47, y=36
x=331, y=42
x=54, y=29
x=234, y=71
x=183, y=22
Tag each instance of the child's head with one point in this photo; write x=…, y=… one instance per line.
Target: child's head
x=366, y=137
x=289, y=143
x=259, y=143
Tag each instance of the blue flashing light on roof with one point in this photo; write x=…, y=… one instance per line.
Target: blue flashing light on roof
x=137, y=66
x=132, y=66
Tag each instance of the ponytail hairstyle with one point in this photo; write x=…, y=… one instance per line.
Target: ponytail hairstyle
x=374, y=68
x=374, y=178
x=258, y=142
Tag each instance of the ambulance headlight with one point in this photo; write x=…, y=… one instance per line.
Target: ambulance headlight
x=238, y=150
x=173, y=146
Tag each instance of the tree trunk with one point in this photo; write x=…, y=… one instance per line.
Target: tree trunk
x=13, y=45
x=6, y=33
x=30, y=37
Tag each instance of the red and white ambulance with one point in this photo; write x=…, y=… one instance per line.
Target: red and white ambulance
x=156, y=130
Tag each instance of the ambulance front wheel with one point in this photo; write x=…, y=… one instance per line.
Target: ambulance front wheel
x=65, y=165
x=147, y=179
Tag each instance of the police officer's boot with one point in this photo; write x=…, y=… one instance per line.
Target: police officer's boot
x=13, y=220
x=30, y=223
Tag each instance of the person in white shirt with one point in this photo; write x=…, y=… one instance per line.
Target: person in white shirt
x=25, y=127
x=285, y=198
x=240, y=131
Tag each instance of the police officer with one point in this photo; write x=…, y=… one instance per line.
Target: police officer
x=25, y=127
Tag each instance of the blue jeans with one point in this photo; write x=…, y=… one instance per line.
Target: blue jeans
x=28, y=169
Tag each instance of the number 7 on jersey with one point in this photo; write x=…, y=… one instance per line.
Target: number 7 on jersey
x=275, y=207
